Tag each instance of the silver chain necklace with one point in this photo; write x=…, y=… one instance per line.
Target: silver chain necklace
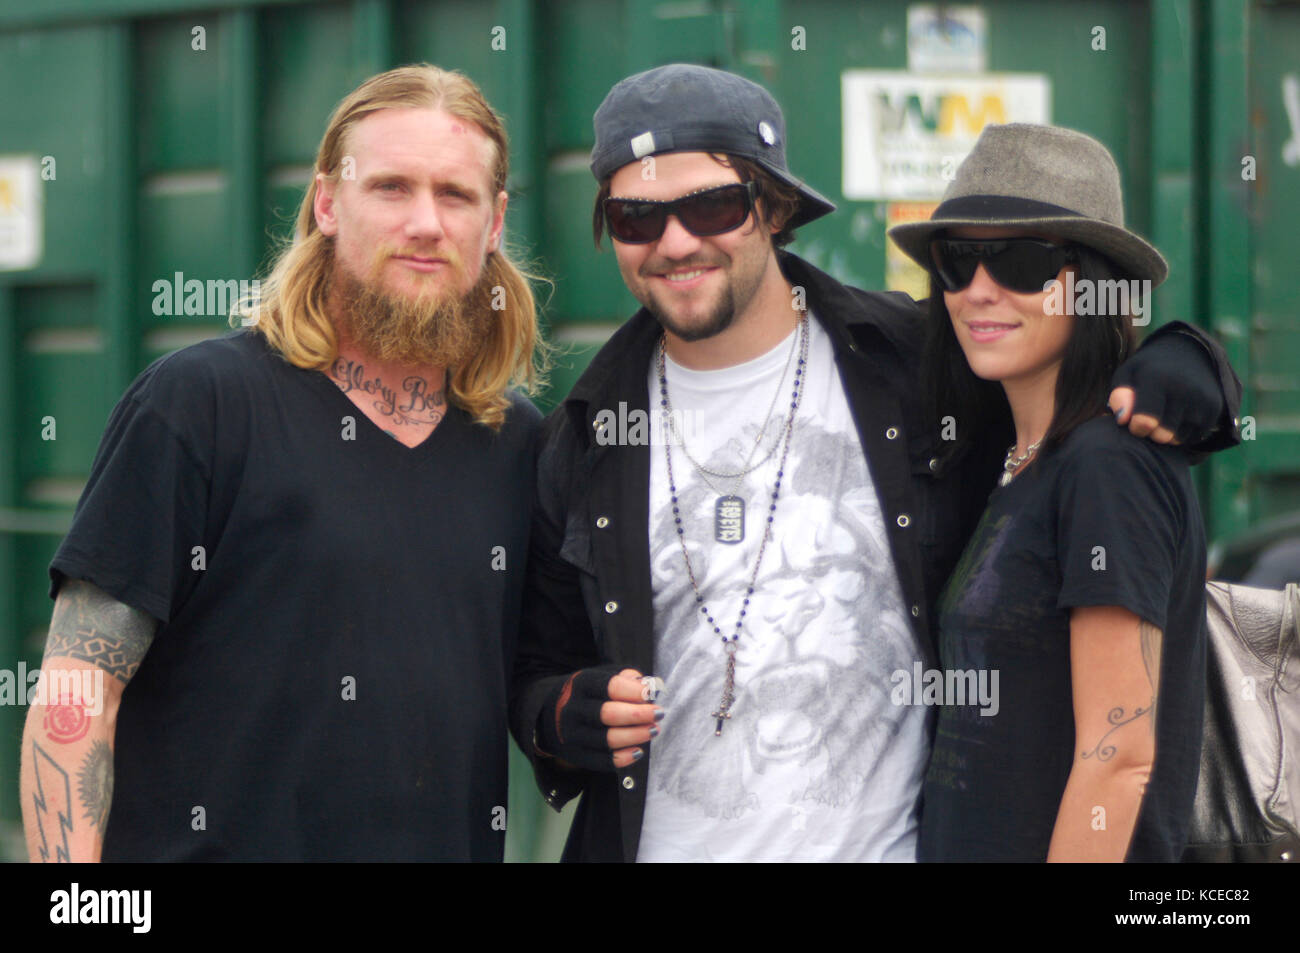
x=728, y=508
x=1012, y=464
x=750, y=466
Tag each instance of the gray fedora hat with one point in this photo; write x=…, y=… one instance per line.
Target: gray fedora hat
x=686, y=108
x=1041, y=178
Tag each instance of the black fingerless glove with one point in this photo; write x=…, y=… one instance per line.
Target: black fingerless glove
x=569, y=725
x=1177, y=383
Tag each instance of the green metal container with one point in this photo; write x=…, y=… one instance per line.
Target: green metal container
x=166, y=138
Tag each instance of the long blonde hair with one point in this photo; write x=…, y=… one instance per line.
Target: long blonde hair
x=290, y=308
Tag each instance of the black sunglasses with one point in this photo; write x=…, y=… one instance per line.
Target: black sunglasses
x=705, y=213
x=1017, y=264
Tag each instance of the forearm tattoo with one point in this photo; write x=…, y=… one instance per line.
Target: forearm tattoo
x=52, y=799
x=96, y=784
x=91, y=625
x=419, y=403
x=1150, y=638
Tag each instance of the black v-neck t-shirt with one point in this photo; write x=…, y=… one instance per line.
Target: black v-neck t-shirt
x=338, y=615
x=1105, y=520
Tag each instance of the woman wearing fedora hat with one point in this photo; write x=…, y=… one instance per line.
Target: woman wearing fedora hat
x=1080, y=596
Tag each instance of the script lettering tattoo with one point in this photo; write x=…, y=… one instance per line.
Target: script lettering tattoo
x=422, y=399
x=91, y=625
x=53, y=802
x=423, y=407
x=96, y=784
x=351, y=376
x=1150, y=638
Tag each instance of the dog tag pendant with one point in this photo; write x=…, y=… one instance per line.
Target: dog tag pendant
x=729, y=519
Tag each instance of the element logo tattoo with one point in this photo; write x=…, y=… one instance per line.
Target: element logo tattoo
x=66, y=721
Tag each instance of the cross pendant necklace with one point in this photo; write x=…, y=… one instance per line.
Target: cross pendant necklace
x=728, y=690
x=722, y=713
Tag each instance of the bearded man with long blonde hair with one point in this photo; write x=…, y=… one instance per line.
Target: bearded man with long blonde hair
x=296, y=563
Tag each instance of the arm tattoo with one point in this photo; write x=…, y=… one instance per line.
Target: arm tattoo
x=91, y=625
x=1103, y=751
x=96, y=784
x=53, y=801
x=1150, y=638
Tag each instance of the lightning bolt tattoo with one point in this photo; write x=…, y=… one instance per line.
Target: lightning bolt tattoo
x=48, y=771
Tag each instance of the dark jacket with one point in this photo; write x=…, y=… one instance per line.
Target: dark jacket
x=587, y=598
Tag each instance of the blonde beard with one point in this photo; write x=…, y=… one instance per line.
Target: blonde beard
x=438, y=328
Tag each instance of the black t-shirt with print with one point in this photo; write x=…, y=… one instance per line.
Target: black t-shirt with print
x=1103, y=499
x=328, y=681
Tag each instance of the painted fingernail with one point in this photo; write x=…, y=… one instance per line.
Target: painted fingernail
x=659, y=714
x=638, y=755
x=1118, y=414
x=654, y=732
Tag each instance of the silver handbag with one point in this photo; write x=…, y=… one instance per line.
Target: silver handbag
x=1248, y=790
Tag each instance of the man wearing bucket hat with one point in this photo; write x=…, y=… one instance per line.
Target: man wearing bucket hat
x=1097, y=556
x=747, y=579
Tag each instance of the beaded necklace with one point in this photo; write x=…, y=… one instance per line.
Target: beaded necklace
x=730, y=642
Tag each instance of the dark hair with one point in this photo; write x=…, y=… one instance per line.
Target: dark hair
x=779, y=201
x=1098, y=344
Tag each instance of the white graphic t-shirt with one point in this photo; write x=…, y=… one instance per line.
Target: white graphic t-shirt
x=816, y=763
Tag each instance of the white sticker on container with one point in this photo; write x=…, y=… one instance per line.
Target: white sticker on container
x=21, y=212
